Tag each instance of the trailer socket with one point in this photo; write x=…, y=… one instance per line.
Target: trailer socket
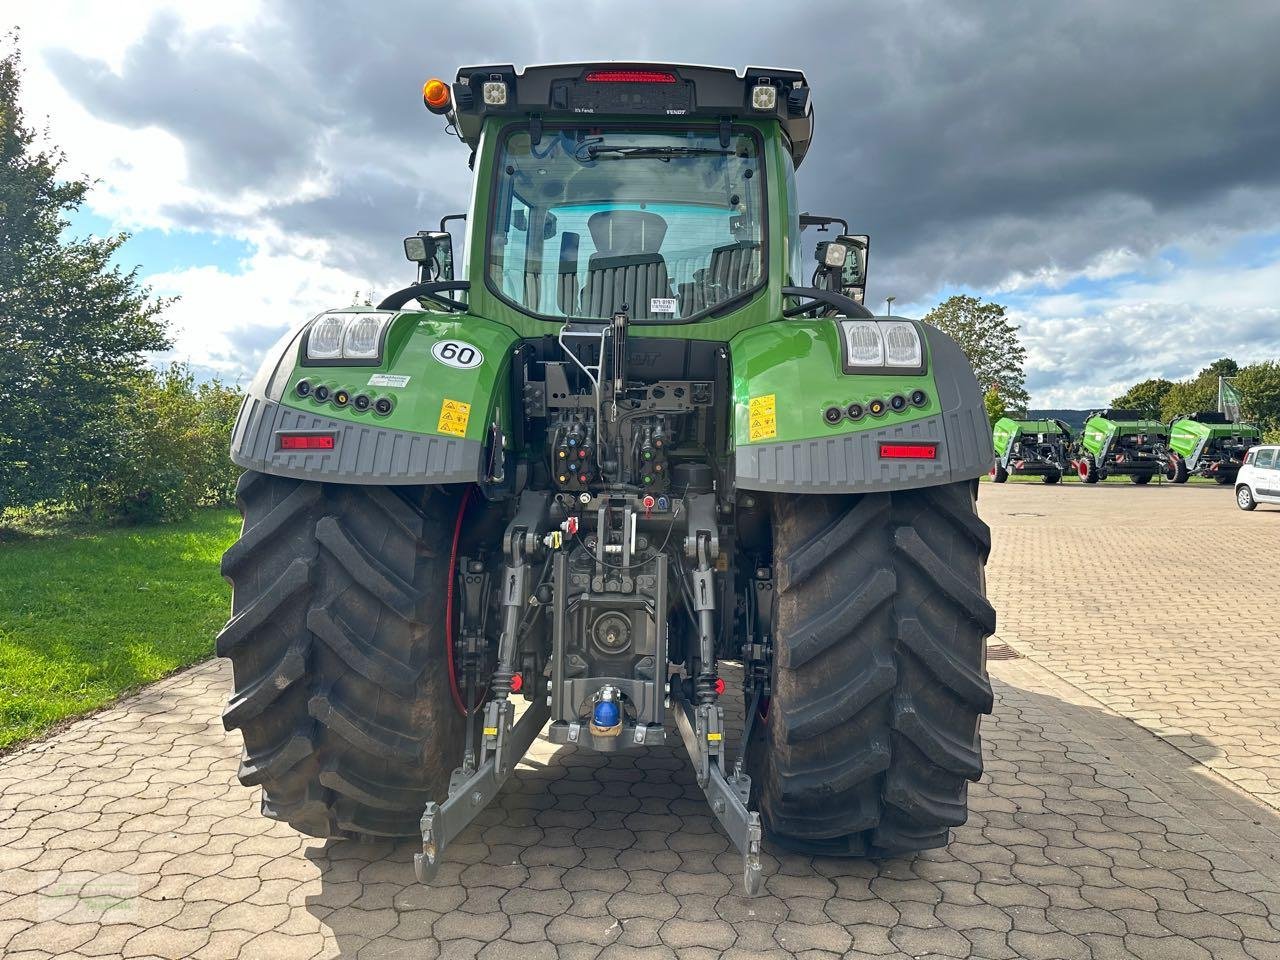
x=833, y=415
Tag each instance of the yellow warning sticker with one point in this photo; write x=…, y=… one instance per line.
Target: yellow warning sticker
x=715, y=736
x=762, y=417
x=454, y=415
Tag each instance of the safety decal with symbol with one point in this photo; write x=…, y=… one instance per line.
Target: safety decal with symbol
x=454, y=415
x=762, y=417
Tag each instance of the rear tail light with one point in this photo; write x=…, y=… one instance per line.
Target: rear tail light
x=306, y=441
x=908, y=451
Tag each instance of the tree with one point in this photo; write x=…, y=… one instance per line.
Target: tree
x=73, y=327
x=1259, y=386
x=994, y=404
x=989, y=341
x=1189, y=396
x=170, y=449
x=1146, y=396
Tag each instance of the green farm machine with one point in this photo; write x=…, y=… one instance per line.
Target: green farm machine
x=623, y=444
x=1121, y=443
x=1038, y=448
x=1207, y=444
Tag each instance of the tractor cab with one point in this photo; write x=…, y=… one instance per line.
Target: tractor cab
x=667, y=190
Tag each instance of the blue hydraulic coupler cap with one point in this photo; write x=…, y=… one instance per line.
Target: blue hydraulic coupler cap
x=606, y=714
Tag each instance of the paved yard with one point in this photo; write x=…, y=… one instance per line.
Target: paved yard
x=1091, y=835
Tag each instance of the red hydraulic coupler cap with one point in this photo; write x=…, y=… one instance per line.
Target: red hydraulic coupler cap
x=718, y=686
x=517, y=682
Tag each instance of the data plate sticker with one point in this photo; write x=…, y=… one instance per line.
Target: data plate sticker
x=662, y=305
x=458, y=354
x=763, y=417
x=388, y=380
x=454, y=415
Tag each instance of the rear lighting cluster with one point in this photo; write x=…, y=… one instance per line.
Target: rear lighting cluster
x=908, y=451
x=855, y=411
x=342, y=398
x=630, y=76
x=306, y=441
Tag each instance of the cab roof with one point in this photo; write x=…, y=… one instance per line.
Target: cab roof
x=669, y=91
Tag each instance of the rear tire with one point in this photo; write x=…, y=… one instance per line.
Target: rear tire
x=880, y=621
x=999, y=474
x=337, y=645
x=1177, y=471
x=1141, y=479
x=1087, y=468
x=1051, y=478
x=1222, y=479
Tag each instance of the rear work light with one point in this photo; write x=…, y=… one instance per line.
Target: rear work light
x=630, y=76
x=306, y=441
x=908, y=451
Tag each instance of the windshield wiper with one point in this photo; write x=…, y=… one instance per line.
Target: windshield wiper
x=664, y=154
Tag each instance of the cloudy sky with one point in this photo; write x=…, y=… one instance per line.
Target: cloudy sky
x=1109, y=171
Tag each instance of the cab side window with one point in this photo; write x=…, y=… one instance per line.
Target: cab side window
x=1266, y=459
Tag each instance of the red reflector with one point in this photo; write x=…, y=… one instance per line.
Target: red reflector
x=909, y=451
x=306, y=441
x=630, y=76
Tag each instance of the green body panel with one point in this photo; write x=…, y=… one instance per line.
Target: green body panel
x=1006, y=430
x=408, y=353
x=1188, y=437
x=798, y=363
x=1099, y=430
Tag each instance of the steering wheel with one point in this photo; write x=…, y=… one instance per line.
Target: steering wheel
x=430, y=290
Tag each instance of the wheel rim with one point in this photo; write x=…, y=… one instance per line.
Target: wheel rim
x=1242, y=497
x=1083, y=469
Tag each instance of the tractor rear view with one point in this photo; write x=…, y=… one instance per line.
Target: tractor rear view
x=1121, y=443
x=626, y=445
x=1037, y=448
x=1207, y=444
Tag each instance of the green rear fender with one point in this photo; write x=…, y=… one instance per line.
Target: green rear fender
x=786, y=375
x=447, y=377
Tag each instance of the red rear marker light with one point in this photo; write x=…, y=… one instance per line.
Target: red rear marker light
x=306, y=441
x=908, y=451
x=630, y=76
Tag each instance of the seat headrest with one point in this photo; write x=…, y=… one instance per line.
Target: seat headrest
x=626, y=232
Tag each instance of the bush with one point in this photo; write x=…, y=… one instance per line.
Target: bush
x=167, y=450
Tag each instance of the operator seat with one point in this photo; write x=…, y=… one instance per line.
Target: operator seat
x=734, y=267
x=626, y=267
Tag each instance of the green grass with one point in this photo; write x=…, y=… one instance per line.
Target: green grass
x=88, y=615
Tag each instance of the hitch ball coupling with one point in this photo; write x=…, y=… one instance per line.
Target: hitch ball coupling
x=606, y=713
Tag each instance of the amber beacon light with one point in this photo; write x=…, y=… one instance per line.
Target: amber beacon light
x=435, y=94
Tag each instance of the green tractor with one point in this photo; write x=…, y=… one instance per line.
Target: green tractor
x=1207, y=444
x=1121, y=442
x=1036, y=448
x=623, y=445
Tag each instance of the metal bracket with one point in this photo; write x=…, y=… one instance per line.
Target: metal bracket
x=442, y=822
x=702, y=729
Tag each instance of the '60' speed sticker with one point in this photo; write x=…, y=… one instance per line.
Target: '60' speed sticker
x=456, y=353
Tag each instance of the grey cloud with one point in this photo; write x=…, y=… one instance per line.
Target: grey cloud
x=971, y=140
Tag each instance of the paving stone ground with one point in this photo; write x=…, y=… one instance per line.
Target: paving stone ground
x=1091, y=835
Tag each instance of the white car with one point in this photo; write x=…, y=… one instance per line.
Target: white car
x=1259, y=478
